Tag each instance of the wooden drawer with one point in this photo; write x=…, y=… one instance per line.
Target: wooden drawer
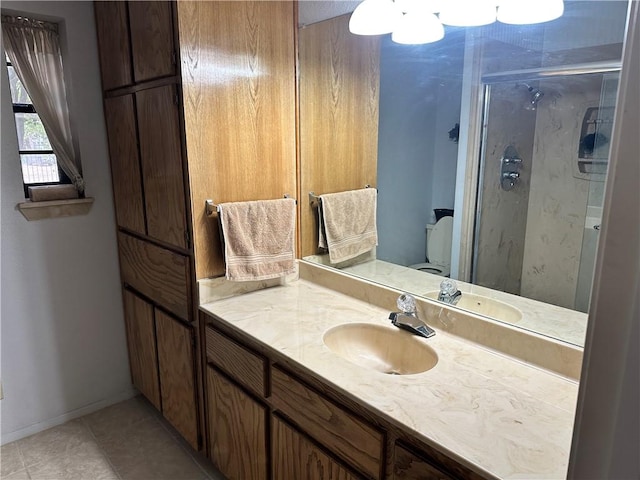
x=242, y=364
x=334, y=427
x=408, y=466
x=159, y=274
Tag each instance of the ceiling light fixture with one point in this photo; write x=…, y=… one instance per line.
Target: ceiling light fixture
x=468, y=13
x=416, y=22
x=375, y=17
x=520, y=12
x=418, y=28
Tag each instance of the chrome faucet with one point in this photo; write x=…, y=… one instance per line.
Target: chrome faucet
x=407, y=319
x=449, y=292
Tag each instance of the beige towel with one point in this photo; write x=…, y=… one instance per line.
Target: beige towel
x=259, y=238
x=348, y=221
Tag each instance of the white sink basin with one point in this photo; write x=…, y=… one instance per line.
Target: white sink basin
x=380, y=348
x=485, y=306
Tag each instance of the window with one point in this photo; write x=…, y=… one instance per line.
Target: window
x=39, y=163
x=39, y=98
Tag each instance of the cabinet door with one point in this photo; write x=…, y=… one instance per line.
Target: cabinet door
x=330, y=424
x=113, y=40
x=237, y=430
x=125, y=165
x=177, y=376
x=296, y=457
x=141, y=342
x=161, y=159
x=151, y=25
x=411, y=467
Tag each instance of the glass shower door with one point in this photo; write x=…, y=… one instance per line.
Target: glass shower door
x=593, y=216
x=545, y=146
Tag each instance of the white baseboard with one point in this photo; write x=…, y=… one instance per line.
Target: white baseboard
x=65, y=417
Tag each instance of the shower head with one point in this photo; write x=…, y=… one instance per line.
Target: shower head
x=536, y=95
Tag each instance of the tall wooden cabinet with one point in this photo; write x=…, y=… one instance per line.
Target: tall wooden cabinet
x=146, y=159
x=199, y=103
x=143, y=119
x=136, y=41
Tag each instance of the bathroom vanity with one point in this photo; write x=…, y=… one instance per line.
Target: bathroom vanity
x=275, y=389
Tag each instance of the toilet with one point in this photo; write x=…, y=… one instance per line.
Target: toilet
x=438, y=249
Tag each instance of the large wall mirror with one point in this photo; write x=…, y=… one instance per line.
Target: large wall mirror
x=488, y=148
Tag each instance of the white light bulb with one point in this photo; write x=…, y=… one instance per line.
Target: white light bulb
x=431, y=6
x=520, y=12
x=374, y=17
x=418, y=28
x=468, y=13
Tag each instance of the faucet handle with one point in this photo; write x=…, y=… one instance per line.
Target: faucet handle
x=448, y=287
x=407, y=304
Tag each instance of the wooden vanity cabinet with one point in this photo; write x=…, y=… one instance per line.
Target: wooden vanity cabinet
x=330, y=424
x=410, y=466
x=237, y=426
x=262, y=410
x=236, y=420
x=319, y=438
x=295, y=456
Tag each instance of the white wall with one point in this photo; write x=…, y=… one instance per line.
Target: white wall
x=419, y=104
x=445, y=151
x=406, y=132
x=63, y=348
x=606, y=437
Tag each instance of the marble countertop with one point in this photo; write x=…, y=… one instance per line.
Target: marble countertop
x=496, y=415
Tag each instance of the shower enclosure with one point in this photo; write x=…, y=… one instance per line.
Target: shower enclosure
x=544, y=152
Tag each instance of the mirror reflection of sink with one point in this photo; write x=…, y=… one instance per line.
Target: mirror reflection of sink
x=485, y=306
x=381, y=348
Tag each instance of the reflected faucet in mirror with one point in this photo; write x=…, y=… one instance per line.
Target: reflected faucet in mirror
x=449, y=292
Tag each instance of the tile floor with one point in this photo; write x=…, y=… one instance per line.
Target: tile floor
x=126, y=441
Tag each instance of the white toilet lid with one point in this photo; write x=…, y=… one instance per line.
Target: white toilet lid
x=439, y=244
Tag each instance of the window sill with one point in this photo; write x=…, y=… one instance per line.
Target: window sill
x=55, y=208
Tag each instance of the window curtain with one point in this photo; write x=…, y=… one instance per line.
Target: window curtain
x=33, y=47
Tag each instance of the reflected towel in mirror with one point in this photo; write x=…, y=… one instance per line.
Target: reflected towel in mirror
x=348, y=223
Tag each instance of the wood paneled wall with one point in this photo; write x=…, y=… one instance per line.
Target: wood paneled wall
x=339, y=88
x=239, y=93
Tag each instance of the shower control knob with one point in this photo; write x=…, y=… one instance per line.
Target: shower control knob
x=511, y=175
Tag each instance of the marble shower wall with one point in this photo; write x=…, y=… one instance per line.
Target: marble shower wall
x=501, y=237
x=557, y=199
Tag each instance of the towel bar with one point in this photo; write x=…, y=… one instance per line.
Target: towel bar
x=210, y=208
x=314, y=199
